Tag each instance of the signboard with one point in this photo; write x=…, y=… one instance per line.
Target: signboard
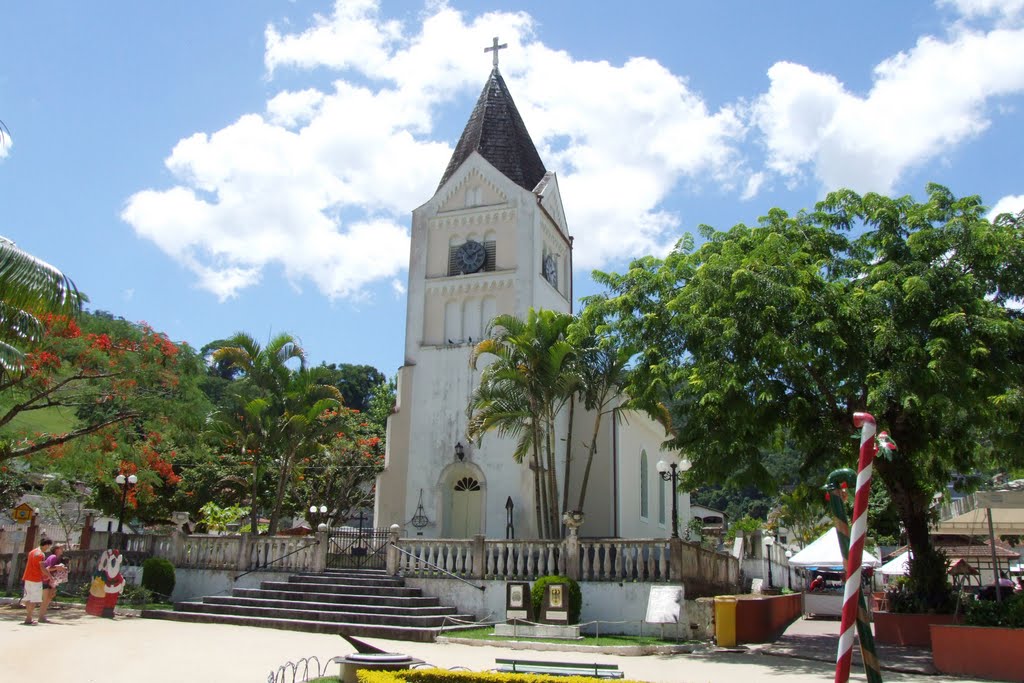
x=555, y=608
x=518, y=604
x=22, y=513
x=664, y=605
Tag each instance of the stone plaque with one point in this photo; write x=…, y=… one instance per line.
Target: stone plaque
x=518, y=605
x=555, y=608
x=665, y=605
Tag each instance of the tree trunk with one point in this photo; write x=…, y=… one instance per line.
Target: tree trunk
x=568, y=455
x=590, y=457
x=253, y=513
x=282, y=483
x=538, y=487
x=554, y=523
x=928, y=578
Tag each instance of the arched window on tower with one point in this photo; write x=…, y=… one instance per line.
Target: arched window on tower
x=643, y=484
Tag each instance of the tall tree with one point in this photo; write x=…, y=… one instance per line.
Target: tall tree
x=792, y=326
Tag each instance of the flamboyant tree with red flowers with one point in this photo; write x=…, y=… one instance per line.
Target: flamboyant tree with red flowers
x=98, y=396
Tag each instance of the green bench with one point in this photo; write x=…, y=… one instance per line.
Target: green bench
x=523, y=666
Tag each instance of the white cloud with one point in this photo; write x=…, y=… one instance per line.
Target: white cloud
x=922, y=102
x=321, y=184
x=5, y=141
x=1004, y=10
x=1009, y=204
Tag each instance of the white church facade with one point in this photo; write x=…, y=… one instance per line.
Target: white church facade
x=494, y=240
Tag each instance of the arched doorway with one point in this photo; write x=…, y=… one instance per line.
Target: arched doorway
x=464, y=499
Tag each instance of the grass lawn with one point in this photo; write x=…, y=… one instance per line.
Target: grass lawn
x=487, y=633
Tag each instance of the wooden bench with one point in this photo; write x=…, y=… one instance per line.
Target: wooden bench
x=523, y=666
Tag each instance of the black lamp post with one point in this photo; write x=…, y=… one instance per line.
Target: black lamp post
x=670, y=472
x=124, y=482
x=769, y=541
x=789, y=568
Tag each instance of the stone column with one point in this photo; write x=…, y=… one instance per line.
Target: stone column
x=675, y=560
x=571, y=543
x=479, y=563
x=393, y=554
x=244, y=551
x=320, y=552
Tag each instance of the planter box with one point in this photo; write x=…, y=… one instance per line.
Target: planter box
x=983, y=651
x=908, y=629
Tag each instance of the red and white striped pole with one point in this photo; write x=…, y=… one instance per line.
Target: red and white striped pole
x=858, y=530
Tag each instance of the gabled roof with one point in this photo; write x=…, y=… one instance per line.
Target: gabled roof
x=496, y=130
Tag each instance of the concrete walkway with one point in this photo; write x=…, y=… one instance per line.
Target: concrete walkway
x=128, y=649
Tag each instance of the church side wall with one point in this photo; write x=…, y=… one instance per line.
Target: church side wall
x=390, y=500
x=637, y=433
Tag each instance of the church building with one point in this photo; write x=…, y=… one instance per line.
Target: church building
x=494, y=240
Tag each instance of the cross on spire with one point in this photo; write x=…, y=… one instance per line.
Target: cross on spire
x=494, y=48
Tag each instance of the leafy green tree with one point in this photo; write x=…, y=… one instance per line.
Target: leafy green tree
x=356, y=383
x=521, y=392
x=790, y=327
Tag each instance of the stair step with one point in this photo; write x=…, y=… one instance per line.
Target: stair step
x=347, y=580
x=392, y=591
x=424, y=635
x=339, y=598
x=297, y=613
x=401, y=609
x=346, y=601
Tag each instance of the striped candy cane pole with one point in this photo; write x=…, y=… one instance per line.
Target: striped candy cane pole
x=838, y=482
x=851, y=594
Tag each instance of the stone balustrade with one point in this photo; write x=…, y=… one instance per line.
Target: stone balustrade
x=640, y=560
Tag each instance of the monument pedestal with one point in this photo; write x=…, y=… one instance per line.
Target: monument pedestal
x=515, y=630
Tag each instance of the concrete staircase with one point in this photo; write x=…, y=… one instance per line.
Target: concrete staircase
x=355, y=602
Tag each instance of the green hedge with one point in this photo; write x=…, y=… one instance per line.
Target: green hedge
x=575, y=596
x=158, y=576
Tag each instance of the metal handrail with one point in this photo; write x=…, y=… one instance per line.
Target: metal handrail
x=440, y=569
x=267, y=564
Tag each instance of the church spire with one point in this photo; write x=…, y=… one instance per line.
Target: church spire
x=496, y=130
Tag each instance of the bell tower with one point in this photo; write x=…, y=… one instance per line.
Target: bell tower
x=492, y=240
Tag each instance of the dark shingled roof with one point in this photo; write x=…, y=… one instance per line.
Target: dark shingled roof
x=496, y=130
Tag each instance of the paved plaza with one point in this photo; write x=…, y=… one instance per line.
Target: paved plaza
x=128, y=649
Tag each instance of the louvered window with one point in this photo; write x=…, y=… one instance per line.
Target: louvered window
x=489, y=259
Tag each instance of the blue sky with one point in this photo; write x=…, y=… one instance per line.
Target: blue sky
x=248, y=165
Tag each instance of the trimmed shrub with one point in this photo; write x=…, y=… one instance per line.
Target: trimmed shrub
x=158, y=577
x=575, y=596
x=445, y=676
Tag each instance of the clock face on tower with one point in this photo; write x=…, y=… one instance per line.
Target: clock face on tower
x=551, y=270
x=470, y=257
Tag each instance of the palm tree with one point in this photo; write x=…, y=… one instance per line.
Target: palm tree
x=522, y=391
x=29, y=289
x=255, y=424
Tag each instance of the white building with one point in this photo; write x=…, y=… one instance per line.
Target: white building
x=494, y=240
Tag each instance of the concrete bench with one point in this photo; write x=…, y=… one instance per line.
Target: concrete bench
x=523, y=666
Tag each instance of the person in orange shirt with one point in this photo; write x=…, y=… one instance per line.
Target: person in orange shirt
x=35, y=573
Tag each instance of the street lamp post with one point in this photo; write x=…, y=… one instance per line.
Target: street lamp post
x=318, y=512
x=789, y=568
x=124, y=482
x=769, y=541
x=670, y=472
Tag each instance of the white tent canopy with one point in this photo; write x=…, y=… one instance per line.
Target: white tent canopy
x=1007, y=515
x=897, y=566
x=825, y=552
